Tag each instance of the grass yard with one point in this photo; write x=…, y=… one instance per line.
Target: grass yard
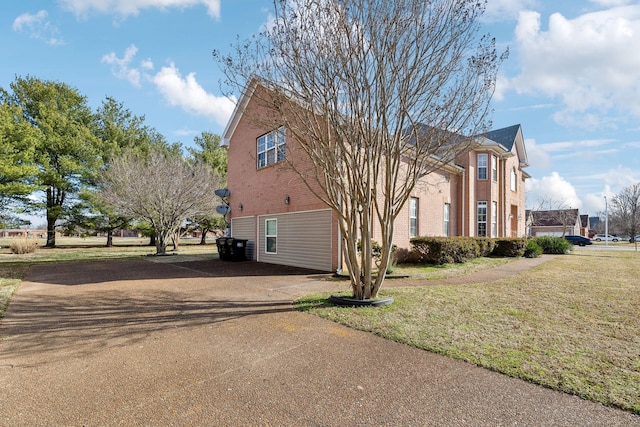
x=571, y=324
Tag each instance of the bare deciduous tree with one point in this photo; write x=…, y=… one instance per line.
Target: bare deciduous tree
x=625, y=210
x=162, y=188
x=554, y=213
x=378, y=94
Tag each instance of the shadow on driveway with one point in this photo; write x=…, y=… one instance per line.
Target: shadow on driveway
x=83, y=273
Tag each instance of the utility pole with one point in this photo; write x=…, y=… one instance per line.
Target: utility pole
x=606, y=222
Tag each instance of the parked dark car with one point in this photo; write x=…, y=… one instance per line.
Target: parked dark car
x=578, y=240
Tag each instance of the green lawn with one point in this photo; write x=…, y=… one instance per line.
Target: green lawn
x=571, y=324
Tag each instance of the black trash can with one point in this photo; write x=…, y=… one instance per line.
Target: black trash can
x=236, y=249
x=223, y=249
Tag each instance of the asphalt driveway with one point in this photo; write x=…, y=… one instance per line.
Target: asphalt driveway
x=211, y=343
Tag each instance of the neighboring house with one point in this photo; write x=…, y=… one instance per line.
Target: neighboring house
x=24, y=232
x=585, y=225
x=481, y=194
x=559, y=222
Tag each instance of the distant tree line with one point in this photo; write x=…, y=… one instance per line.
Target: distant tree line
x=624, y=212
x=60, y=157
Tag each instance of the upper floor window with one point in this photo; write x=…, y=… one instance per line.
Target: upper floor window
x=483, y=164
x=514, y=180
x=271, y=147
x=494, y=168
x=413, y=217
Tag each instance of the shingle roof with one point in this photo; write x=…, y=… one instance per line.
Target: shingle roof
x=553, y=218
x=505, y=136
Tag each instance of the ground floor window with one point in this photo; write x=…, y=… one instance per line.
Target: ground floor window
x=447, y=212
x=413, y=217
x=494, y=219
x=482, y=219
x=271, y=236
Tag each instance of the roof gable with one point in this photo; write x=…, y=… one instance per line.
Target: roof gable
x=510, y=139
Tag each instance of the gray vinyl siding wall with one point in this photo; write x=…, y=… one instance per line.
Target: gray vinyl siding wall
x=303, y=240
x=245, y=228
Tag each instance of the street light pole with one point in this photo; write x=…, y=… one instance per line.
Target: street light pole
x=606, y=222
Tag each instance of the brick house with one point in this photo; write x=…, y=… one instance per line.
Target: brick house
x=480, y=194
x=557, y=222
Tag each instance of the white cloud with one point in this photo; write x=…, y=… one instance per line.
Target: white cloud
x=621, y=177
x=505, y=10
x=588, y=62
x=537, y=156
x=190, y=96
x=120, y=67
x=551, y=192
x=593, y=204
x=126, y=8
x=38, y=27
x=184, y=92
x=610, y=3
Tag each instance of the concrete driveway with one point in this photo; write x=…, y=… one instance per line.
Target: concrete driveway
x=205, y=342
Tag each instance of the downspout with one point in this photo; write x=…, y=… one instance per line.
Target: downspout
x=464, y=200
x=503, y=186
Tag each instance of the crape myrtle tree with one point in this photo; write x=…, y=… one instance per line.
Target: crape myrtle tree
x=66, y=151
x=624, y=212
x=208, y=151
x=378, y=94
x=162, y=188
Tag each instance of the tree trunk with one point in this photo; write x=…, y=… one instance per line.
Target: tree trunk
x=51, y=232
x=55, y=201
x=203, y=239
x=175, y=237
x=161, y=243
x=109, y=238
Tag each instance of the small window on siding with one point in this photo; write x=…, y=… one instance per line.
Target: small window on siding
x=483, y=160
x=413, y=217
x=271, y=236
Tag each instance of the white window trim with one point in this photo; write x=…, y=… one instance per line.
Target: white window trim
x=447, y=219
x=494, y=219
x=279, y=148
x=481, y=204
x=483, y=166
x=267, y=236
x=413, y=216
x=494, y=168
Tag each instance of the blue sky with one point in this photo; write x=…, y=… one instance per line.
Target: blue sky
x=572, y=79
